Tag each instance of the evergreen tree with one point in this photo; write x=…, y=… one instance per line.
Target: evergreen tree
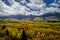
x=24, y=36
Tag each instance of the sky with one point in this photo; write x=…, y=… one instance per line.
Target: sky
x=28, y=7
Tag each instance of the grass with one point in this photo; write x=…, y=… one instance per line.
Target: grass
x=33, y=30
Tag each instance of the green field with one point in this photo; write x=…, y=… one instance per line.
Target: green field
x=14, y=30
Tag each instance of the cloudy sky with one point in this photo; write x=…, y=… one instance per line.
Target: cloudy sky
x=27, y=7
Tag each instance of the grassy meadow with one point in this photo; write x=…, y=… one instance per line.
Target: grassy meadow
x=29, y=30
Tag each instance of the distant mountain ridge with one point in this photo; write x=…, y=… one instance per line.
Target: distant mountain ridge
x=18, y=16
x=47, y=16
x=51, y=14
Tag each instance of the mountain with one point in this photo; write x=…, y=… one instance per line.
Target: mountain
x=18, y=16
x=46, y=16
x=51, y=14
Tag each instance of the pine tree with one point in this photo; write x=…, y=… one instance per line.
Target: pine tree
x=24, y=36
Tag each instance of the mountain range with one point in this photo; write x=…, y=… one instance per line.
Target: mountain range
x=47, y=16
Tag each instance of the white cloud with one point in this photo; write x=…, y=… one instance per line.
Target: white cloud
x=55, y=4
x=17, y=8
x=52, y=9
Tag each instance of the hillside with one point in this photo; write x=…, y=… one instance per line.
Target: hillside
x=33, y=30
